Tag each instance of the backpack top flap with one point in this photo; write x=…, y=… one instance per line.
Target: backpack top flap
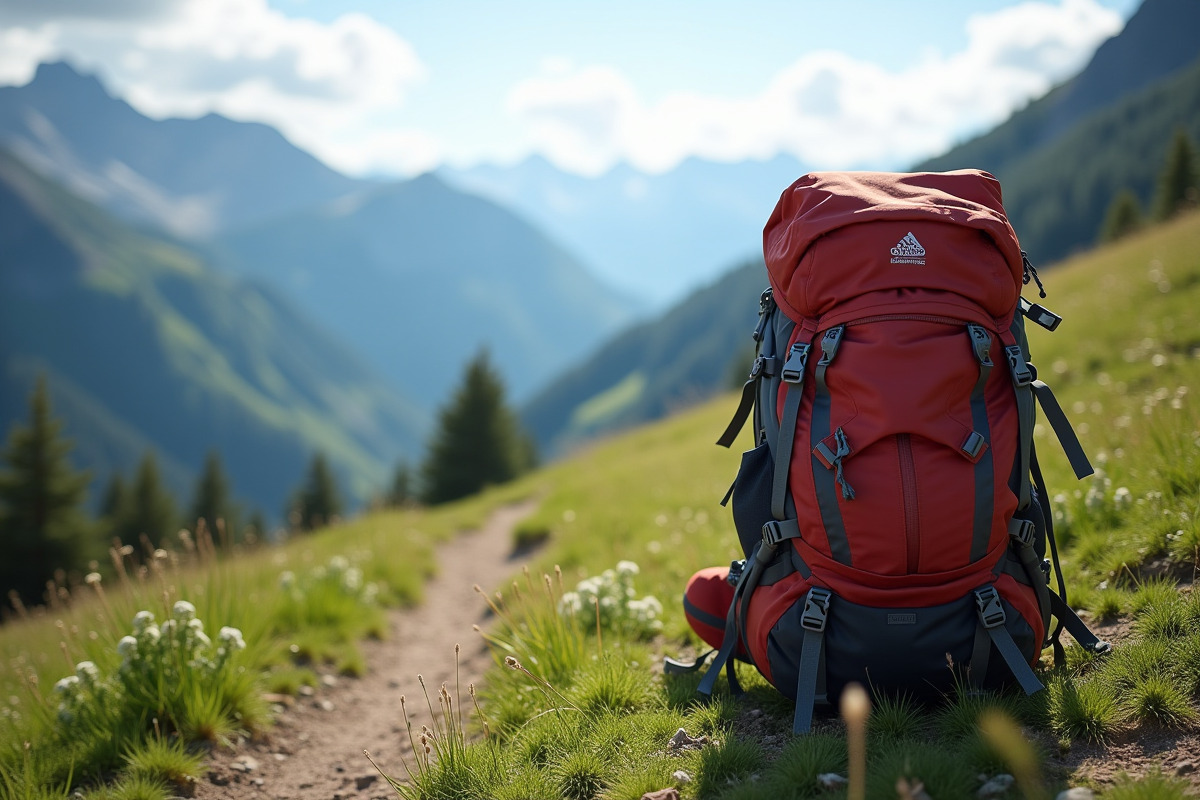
x=944, y=232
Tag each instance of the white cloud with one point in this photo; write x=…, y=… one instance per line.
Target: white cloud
x=826, y=108
x=329, y=87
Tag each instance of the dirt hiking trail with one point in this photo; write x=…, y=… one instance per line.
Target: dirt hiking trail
x=315, y=750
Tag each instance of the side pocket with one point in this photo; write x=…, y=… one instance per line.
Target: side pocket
x=752, y=496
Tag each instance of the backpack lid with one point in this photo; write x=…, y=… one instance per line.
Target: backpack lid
x=955, y=205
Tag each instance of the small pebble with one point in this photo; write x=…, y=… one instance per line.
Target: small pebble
x=1185, y=768
x=363, y=781
x=1076, y=793
x=996, y=787
x=681, y=777
x=831, y=780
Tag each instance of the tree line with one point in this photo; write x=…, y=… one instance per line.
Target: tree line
x=47, y=535
x=1178, y=188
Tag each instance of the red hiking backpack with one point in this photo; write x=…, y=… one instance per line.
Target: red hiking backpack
x=892, y=512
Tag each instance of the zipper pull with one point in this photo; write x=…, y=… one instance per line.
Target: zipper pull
x=1031, y=272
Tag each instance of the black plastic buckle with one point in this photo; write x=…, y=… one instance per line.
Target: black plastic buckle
x=973, y=446
x=991, y=611
x=981, y=341
x=1101, y=647
x=772, y=533
x=797, y=361
x=735, y=572
x=816, y=609
x=1022, y=374
x=757, y=367
x=1024, y=532
x=829, y=345
x=1040, y=314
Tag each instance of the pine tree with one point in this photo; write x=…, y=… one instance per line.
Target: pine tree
x=211, y=500
x=478, y=441
x=150, y=509
x=402, y=491
x=1123, y=218
x=42, y=524
x=318, y=501
x=1178, y=183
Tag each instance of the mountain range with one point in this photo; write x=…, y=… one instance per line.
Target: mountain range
x=145, y=346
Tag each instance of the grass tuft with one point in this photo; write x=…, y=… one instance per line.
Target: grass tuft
x=1158, y=700
x=1082, y=711
x=581, y=775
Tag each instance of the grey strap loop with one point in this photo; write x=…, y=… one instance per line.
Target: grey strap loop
x=1022, y=377
x=821, y=426
x=1022, y=532
x=992, y=618
x=1063, y=430
x=1076, y=627
x=745, y=406
x=813, y=619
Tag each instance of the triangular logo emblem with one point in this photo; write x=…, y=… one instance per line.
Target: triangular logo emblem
x=908, y=251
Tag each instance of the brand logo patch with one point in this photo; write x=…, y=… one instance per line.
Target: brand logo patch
x=908, y=251
x=901, y=619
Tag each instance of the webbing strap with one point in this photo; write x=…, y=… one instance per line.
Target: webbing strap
x=741, y=415
x=808, y=674
x=981, y=342
x=783, y=449
x=728, y=644
x=1063, y=430
x=825, y=480
x=992, y=618
x=750, y=576
x=1022, y=376
x=1076, y=627
x=693, y=610
x=1021, y=531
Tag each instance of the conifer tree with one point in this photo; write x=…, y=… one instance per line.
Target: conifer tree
x=1123, y=218
x=211, y=500
x=317, y=502
x=478, y=441
x=42, y=524
x=402, y=491
x=150, y=509
x=1179, y=182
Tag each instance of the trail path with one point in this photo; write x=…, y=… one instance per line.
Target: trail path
x=315, y=750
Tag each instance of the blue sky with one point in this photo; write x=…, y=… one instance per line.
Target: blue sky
x=400, y=86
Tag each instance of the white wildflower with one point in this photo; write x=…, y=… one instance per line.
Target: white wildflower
x=183, y=610
x=1122, y=497
x=67, y=684
x=626, y=568
x=231, y=638
x=87, y=672
x=127, y=647
x=142, y=620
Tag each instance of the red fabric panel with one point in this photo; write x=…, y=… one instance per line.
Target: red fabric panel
x=815, y=237
x=710, y=592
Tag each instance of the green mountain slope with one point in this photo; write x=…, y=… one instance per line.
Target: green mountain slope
x=1062, y=159
x=417, y=276
x=145, y=345
x=653, y=368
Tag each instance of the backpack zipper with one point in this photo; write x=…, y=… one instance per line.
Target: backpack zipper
x=917, y=317
x=908, y=484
